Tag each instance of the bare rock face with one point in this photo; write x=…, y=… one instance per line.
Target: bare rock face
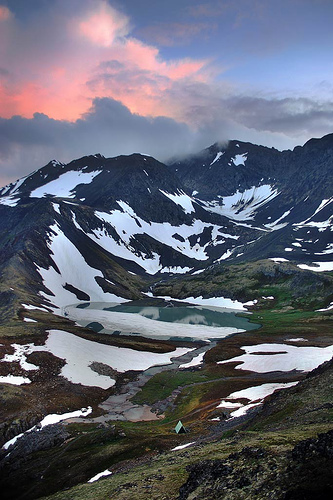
x=33, y=441
x=304, y=474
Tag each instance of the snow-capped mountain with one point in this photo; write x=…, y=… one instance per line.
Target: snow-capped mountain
x=102, y=229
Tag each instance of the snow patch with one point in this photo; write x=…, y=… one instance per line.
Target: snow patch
x=197, y=360
x=242, y=205
x=107, y=472
x=255, y=395
x=181, y=199
x=14, y=380
x=217, y=157
x=318, y=267
x=265, y=358
x=239, y=159
x=182, y=446
x=73, y=270
x=65, y=184
x=49, y=420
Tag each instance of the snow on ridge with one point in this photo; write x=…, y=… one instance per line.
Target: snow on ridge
x=128, y=224
x=10, y=201
x=181, y=199
x=323, y=204
x=239, y=159
x=255, y=395
x=73, y=270
x=65, y=184
x=217, y=157
x=275, y=224
x=242, y=205
x=49, y=420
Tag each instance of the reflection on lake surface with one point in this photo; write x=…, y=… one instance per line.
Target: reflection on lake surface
x=174, y=323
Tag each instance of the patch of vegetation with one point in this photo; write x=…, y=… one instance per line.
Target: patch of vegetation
x=161, y=385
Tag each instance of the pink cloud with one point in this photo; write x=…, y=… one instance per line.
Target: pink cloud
x=104, y=25
x=62, y=73
x=4, y=13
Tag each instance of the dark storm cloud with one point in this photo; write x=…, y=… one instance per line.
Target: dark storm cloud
x=109, y=128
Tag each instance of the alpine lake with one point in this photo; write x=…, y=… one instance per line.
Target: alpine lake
x=172, y=323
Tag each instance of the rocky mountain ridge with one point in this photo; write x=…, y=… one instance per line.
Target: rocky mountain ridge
x=126, y=219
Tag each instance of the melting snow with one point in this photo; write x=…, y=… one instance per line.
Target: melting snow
x=79, y=355
x=176, y=269
x=299, y=339
x=275, y=225
x=197, y=360
x=217, y=157
x=182, y=446
x=128, y=225
x=181, y=199
x=318, y=267
x=253, y=394
x=56, y=207
x=73, y=270
x=239, y=159
x=266, y=358
x=107, y=472
x=326, y=308
x=14, y=380
x=30, y=308
x=49, y=420
x=10, y=201
x=242, y=205
x=64, y=185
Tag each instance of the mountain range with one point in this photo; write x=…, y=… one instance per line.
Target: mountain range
x=107, y=228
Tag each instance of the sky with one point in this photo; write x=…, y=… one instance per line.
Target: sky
x=114, y=77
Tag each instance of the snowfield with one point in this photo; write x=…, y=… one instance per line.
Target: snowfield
x=127, y=224
x=73, y=270
x=255, y=395
x=80, y=354
x=65, y=185
x=243, y=205
x=264, y=358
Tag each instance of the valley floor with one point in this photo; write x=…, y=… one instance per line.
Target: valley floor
x=139, y=456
